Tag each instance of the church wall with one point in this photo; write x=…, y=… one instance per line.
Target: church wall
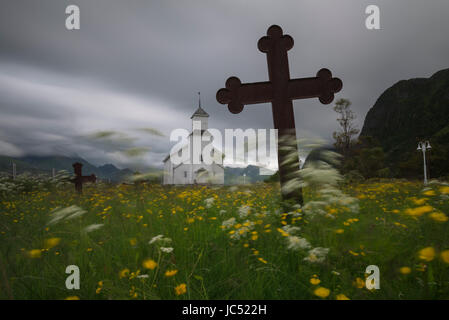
x=182, y=174
x=204, y=122
x=187, y=173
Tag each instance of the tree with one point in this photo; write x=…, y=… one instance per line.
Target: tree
x=343, y=137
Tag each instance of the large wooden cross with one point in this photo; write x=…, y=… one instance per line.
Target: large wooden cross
x=281, y=91
x=79, y=178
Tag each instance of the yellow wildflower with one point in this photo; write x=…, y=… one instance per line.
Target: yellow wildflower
x=341, y=296
x=314, y=281
x=427, y=254
x=419, y=211
x=353, y=253
x=124, y=273
x=72, y=298
x=282, y=232
x=359, y=283
x=405, y=270
x=339, y=231
x=149, y=264
x=444, y=190
x=321, y=292
x=35, y=253
x=419, y=202
x=429, y=193
x=170, y=273
x=438, y=216
x=52, y=242
x=262, y=260
x=181, y=289
x=445, y=256
x=133, y=241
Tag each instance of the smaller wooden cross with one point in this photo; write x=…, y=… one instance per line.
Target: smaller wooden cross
x=79, y=178
x=281, y=90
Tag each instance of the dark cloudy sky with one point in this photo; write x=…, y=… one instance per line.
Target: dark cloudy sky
x=139, y=63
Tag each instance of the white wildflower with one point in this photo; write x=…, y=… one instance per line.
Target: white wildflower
x=156, y=238
x=290, y=229
x=59, y=214
x=317, y=255
x=209, y=202
x=228, y=223
x=295, y=243
x=93, y=227
x=244, y=211
x=160, y=238
x=166, y=249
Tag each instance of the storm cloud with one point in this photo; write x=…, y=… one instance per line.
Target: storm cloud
x=138, y=64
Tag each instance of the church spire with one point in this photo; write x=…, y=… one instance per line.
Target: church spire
x=199, y=112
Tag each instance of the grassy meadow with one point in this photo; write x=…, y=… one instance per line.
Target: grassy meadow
x=231, y=242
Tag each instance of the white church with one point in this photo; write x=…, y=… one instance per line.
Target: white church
x=188, y=172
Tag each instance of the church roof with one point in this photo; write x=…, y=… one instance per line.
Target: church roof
x=200, y=113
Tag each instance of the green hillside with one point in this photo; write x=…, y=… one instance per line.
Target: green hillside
x=410, y=111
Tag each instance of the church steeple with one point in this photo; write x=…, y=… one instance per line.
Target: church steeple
x=199, y=112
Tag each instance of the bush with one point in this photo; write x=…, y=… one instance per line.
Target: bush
x=353, y=176
x=384, y=173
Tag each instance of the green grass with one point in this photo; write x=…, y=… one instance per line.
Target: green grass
x=209, y=262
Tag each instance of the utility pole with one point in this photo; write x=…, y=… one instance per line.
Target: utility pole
x=14, y=171
x=424, y=146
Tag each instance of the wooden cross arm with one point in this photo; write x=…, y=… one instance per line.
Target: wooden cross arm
x=236, y=94
x=91, y=178
x=323, y=86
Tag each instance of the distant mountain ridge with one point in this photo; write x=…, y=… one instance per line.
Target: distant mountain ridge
x=235, y=175
x=45, y=164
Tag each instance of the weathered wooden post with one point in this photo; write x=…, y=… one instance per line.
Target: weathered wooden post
x=79, y=178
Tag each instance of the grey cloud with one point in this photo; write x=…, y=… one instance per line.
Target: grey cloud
x=137, y=64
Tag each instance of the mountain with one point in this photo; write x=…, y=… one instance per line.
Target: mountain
x=235, y=175
x=410, y=111
x=109, y=171
x=45, y=164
